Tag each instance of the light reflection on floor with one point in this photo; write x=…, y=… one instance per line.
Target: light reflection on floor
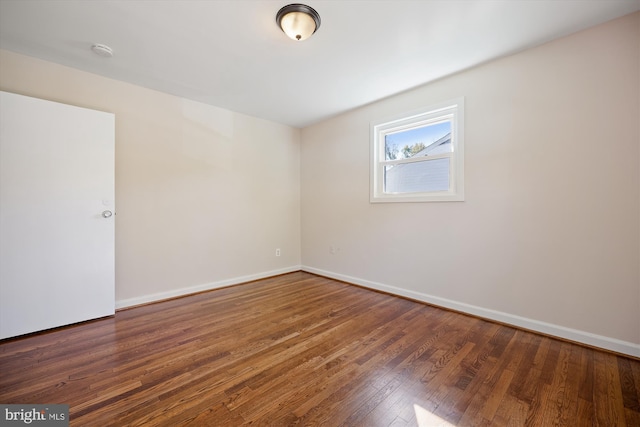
x=427, y=419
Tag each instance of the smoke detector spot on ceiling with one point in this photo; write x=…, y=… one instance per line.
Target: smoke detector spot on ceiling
x=102, y=50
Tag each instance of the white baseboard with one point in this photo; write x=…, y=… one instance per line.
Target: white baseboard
x=583, y=337
x=145, y=299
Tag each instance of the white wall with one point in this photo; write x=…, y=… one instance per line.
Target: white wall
x=204, y=195
x=549, y=235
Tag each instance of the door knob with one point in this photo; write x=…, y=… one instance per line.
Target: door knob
x=106, y=214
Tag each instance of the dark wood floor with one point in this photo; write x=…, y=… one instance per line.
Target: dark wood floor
x=304, y=350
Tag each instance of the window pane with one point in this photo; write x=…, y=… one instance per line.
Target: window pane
x=419, y=141
x=426, y=176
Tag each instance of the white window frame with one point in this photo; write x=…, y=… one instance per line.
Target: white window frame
x=452, y=110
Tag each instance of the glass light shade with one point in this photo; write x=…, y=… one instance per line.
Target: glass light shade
x=298, y=25
x=298, y=21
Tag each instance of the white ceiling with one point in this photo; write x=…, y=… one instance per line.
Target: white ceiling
x=231, y=54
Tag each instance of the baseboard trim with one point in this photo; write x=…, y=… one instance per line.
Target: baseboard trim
x=587, y=338
x=146, y=299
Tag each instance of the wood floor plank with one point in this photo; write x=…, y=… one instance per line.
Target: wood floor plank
x=556, y=411
x=585, y=413
x=511, y=412
x=576, y=375
x=300, y=349
x=607, y=392
x=630, y=390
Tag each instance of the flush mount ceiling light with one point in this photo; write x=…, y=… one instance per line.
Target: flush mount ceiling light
x=298, y=21
x=102, y=50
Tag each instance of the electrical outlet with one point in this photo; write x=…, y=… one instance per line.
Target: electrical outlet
x=278, y=252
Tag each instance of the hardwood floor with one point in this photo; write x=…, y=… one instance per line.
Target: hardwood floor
x=304, y=350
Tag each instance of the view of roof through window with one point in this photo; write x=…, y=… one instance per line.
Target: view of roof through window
x=414, y=141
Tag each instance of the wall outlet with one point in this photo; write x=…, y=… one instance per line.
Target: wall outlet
x=278, y=252
x=333, y=249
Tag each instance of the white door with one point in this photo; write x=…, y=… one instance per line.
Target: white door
x=56, y=214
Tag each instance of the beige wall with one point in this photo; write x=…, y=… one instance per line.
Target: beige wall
x=204, y=195
x=548, y=237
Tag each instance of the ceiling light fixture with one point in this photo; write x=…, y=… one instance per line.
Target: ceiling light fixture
x=298, y=21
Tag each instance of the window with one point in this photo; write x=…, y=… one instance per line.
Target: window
x=419, y=157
